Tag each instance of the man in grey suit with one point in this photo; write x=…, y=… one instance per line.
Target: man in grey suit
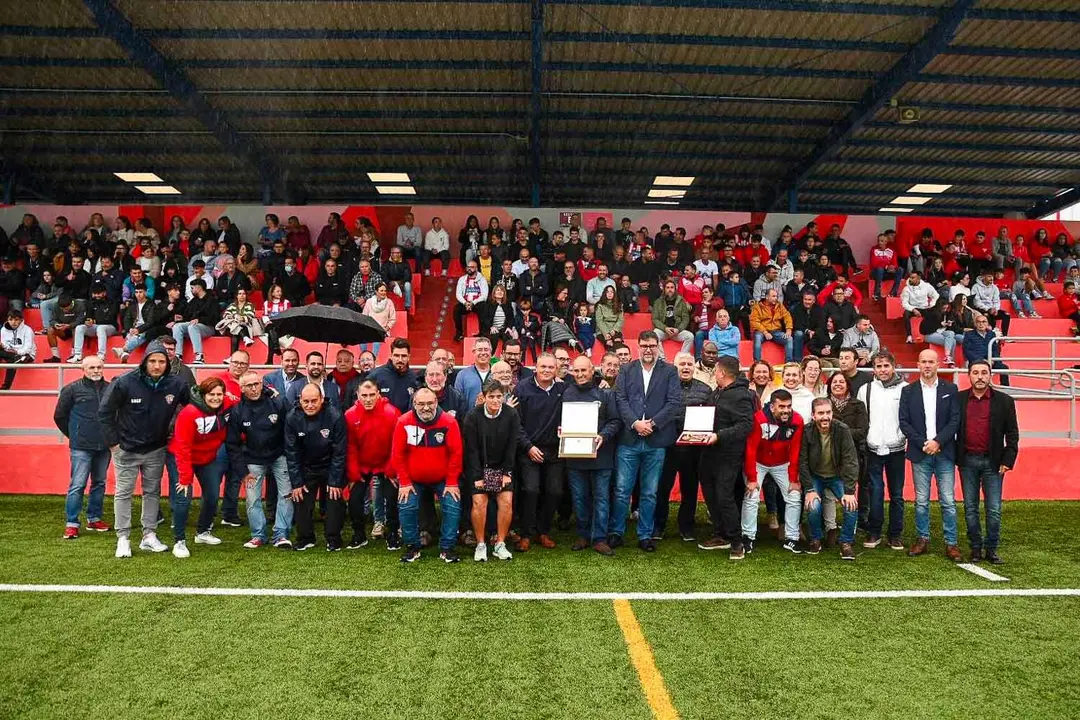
x=649, y=399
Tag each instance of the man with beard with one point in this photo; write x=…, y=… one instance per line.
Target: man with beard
x=288, y=381
x=396, y=380
x=827, y=459
x=773, y=449
x=705, y=369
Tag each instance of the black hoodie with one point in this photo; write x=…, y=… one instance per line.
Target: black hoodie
x=137, y=411
x=315, y=446
x=733, y=421
x=256, y=431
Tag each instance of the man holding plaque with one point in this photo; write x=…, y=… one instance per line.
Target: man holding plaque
x=590, y=478
x=649, y=401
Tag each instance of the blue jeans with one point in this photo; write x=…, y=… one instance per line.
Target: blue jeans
x=976, y=473
x=1022, y=303
x=591, y=490
x=777, y=336
x=48, y=309
x=877, y=278
x=230, y=501
x=944, y=470
x=632, y=459
x=284, y=508
x=451, y=516
x=92, y=466
x=197, y=333
x=798, y=337
x=209, y=477
x=836, y=486
x=892, y=466
x=133, y=342
x=101, y=332
x=699, y=339
x=945, y=338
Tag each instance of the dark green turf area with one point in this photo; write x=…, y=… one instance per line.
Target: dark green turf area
x=219, y=658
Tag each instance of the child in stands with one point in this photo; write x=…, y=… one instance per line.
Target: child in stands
x=584, y=327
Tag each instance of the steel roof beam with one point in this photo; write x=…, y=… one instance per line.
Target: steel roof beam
x=536, y=109
x=876, y=97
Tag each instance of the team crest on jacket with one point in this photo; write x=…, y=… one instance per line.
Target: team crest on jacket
x=169, y=399
x=325, y=432
x=411, y=391
x=273, y=418
x=439, y=437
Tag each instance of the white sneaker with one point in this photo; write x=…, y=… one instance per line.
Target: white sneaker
x=118, y=352
x=179, y=550
x=501, y=552
x=480, y=554
x=206, y=538
x=75, y=359
x=123, y=547
x=248, y=341
x=378, y=530
x=151, y=543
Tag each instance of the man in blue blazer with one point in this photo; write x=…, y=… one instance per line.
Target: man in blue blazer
x=929, y=418
x=288, y=381
x=649, y=400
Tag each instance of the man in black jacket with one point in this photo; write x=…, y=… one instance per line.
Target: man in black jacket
x=722, y=458
x=293, y=282
x=256, y=448
x=396, y=380
x=590, y=478
x=203, y=313
x=540, y=406
x=828, y=461
x=315, y=445
x=136, y=415
x=76, y=416
x=682, y=459
x=987, y=444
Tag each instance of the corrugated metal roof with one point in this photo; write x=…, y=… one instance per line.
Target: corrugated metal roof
x=330, y=50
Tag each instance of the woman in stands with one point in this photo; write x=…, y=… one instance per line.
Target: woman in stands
x=936, y=327
x=203, y=232
x=494, y=228
x=609, y=319
x=246, y=262
x=148, y=258
x=269, y=233
x=961, y=285
x=144, y=228
x=176, y=226
x=498, y=318
x=936, y=276
x=1061, y=260
x=240, y=322
x=469, y=240
x=960, y=317
x=381, y=309
x=123, y=233
x=46, y=290
x=826, y=344
x=558, y=329
x=196, y=444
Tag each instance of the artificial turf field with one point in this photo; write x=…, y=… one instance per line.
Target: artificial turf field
x=182, y=656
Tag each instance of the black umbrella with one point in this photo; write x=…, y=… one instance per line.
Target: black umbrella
x=329, y=324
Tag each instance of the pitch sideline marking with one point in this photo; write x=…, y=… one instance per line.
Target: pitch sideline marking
x=641, y=655
x=540, y=596
x=982, y=572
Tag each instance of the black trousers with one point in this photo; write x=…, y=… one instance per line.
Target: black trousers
x=303, y=518
x=459, y=317
x=336, y=510
x=536, y=516
x=681, y=461
x=1002, y=316
x=389, y=493
x=718, y=477
x=9, y=374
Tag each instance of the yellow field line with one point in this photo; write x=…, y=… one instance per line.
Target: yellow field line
x=641, y=655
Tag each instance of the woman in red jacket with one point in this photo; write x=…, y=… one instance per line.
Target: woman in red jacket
x=196, y=443
x=369, y=427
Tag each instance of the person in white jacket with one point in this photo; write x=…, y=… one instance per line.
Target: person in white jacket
x=885, y=451
x=436, y=244
x=916, y=297
x=472, y=289
x=16, y=344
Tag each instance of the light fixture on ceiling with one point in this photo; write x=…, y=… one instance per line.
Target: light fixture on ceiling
x=157, y=189
x=664, y=193
x=896, y=209
x=661, y=202
x=676, y=180
x=911, y=200
x=138, y=177
x=388, y=177
x=928, y=188
x=396, y=189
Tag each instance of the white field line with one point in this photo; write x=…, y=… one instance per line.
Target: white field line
x=541, y=596
x=982, y=572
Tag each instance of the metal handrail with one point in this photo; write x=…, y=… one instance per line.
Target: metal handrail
x=1053, y=360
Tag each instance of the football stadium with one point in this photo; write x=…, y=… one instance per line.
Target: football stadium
x=539, y=358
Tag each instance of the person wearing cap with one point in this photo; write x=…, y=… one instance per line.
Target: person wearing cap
x=136, y=416
x=100, y=321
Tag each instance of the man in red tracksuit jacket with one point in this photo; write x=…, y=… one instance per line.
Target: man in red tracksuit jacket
x=427, y=452
x=773, y=449
x=369, y=428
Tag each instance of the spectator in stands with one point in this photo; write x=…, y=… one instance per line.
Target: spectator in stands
x=863, y=339
x=69, y=314
x=331, y=288
x=915, y=298
x=828, y=461
x=13, y=286
x=962, y=317
x=76, y=417
x=288, y=380
x=471, y=292
x=398, y=275
x=596, y=287
x=363, y=284
x=334, y=231
x=838, y=307
x=16, y=344
x=645, y=275
x=230, y=280
x=885, y=444
x=929, y=418
x=99, y=320
x=201, y=315
x=826, y=343
x=1002, y=251
x=649, y=427
x=851, y=293
x=1069, y=304
x=986, y=298
x=228, y=235
x=315, y=451
x=1061, y=258
x=240, y=322
x=770, y=280
x=807, y=320
x=987, y=444
x=534, y=284
x=409, y=239
x=28, y=232
x=724, y=335
x=769, y=320
x=198, y=272
x=436, y=245
x=976, y=345
x=1023, y=291
x=609, y=318
x=671, y=318
x=293, y=282
x=882, y=266
x=142, y=321
x=137, y=432
x=936, y=328
x=196, y=443
x=427, y=450
x=497, y=317
x=982, y=255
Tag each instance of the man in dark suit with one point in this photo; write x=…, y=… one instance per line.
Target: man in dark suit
x=987, y=443
x=649, y=399
x=288, y=381
x=929, y=418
